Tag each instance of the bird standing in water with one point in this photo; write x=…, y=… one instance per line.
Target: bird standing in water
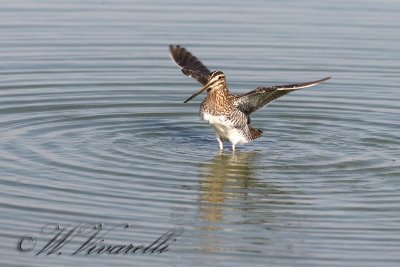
x=229, y=114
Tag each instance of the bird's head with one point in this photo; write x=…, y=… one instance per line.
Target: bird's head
x=216, y=81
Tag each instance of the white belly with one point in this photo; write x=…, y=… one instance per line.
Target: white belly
x=225, y=129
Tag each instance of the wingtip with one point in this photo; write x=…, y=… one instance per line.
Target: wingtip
x=172, y=52
x=326, y=78
x=171, y=48
x=321, y=80
x=174, y=46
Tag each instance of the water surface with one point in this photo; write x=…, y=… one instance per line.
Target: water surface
x=93, y=129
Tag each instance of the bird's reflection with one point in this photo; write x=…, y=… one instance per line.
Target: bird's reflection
x=219, y=177
x=229, y=188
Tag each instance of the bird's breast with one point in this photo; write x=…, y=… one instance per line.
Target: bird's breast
x=225, y=128
x=220, y=123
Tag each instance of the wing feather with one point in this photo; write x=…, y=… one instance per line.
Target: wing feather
x=191, y=66
x=261, y=96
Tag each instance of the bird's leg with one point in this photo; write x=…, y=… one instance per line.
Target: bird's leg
x=221, y=145
x=233, y=147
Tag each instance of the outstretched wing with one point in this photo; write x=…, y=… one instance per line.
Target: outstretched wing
x=261, y=96
x=190, y=65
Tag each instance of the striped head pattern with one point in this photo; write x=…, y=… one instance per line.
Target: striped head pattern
x=216, y=81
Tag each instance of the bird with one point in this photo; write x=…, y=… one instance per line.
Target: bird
x=227, y=113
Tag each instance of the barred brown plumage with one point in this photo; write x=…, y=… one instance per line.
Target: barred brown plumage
x=229, y=114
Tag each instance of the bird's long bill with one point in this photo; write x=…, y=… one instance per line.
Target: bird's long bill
x=205, y=87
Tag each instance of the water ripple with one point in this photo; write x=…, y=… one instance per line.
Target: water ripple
x=93, y=129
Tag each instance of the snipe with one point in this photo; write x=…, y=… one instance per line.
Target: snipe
x=229, y=114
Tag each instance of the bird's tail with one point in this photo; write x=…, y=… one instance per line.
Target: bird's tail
x=255, y=133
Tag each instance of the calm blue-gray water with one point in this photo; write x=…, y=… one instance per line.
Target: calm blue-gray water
x=93, y=131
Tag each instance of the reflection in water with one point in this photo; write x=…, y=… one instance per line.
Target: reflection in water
x=230, y=193
x=223, y=178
